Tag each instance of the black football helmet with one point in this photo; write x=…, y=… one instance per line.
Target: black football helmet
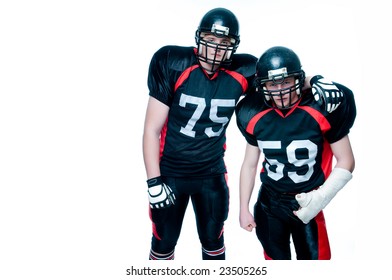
x=275, y=65
x=219, y=22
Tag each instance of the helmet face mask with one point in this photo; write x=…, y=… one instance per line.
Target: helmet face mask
x=215, y=51
x=222, y=24
x=280, y=69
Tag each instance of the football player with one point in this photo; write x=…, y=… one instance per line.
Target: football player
x=298, y=139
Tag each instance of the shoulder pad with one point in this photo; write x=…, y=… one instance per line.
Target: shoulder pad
x=244, y=64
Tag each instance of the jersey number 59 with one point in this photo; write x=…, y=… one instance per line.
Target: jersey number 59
x=277, y=173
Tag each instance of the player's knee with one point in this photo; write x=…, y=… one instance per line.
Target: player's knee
x=212, y=239
x=163, y=245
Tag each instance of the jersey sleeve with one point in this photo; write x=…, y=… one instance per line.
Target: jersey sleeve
x=166, y=65
x=245, y=64
x=342, y=119
x=158, y=77
x=246, y=109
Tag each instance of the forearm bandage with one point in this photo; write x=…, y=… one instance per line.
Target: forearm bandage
x=313, y=202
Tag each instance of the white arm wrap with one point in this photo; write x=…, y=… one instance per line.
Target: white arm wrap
x=313, y=202
x=338, y=178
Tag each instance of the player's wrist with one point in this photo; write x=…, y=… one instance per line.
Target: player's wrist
x=338, y=178
x=154, y=181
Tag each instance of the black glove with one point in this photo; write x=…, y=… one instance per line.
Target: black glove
x=160, y=195
x=326, y=93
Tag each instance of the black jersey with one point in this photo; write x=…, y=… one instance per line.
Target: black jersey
x=201, y=106
x=295, y=143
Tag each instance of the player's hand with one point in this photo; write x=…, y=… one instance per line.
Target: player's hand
x=247, y=221
x=160, y=195
x=326, y=93
x=310, y=203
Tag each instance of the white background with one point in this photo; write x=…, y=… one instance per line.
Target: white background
x=73, y=93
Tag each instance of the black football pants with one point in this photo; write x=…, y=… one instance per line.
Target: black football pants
x=210, y=200
x=276, y=223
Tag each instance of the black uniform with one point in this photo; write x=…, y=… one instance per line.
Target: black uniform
x=193, y=142
x=298, y=158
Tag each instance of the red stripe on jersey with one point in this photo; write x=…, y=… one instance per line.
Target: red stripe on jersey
x=321, y=120
x=239, y=78
x=326, y=163
x=163, y=138
x=184, y=76
x=251, y=125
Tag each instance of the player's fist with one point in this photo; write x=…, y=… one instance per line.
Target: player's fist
x=311, y=204
x=326, y=93
x=160, y=195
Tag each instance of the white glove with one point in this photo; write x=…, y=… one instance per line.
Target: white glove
x=313, y=202
x=326, y=93
x=160, y=195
